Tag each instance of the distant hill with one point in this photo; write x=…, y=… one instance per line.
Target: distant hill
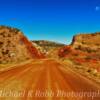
x=46, y=46
x=48, y=43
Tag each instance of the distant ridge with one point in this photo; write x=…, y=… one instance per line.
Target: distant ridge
x=47, y=43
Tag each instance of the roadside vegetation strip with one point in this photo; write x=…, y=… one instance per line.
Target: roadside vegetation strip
x=81, y=75
x=9, y=66
x=82, y=70
x=5, y=67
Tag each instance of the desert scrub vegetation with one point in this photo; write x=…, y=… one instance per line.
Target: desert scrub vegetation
x=83, y=69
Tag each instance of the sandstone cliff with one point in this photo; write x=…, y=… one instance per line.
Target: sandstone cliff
x=87, y=42
x=85, y=46
x=14, y=46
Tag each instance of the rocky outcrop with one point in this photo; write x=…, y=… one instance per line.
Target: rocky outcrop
x=39, y=48
x=14, y=46
x=83, y=46
x=87, y=42
x=32, y=49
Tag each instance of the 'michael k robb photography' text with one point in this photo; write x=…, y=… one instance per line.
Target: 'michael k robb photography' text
x=50, y=93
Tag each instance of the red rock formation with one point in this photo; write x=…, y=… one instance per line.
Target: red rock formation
x=31, y=49
x=87, y=42
x=14, y=46
x=67, y=51
x=64, y=51
x=83, y=45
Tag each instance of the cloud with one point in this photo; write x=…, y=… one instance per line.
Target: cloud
x=97, y=8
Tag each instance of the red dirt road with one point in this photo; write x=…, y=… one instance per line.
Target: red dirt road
x=46, y=80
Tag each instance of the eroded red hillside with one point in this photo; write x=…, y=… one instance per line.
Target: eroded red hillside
x=84, y=51
x=15, y=47
x=31, y=49
x=67, y=51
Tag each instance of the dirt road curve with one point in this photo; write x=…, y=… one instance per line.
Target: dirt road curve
x=46, y=80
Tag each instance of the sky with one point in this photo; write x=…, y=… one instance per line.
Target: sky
x=55, y=20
